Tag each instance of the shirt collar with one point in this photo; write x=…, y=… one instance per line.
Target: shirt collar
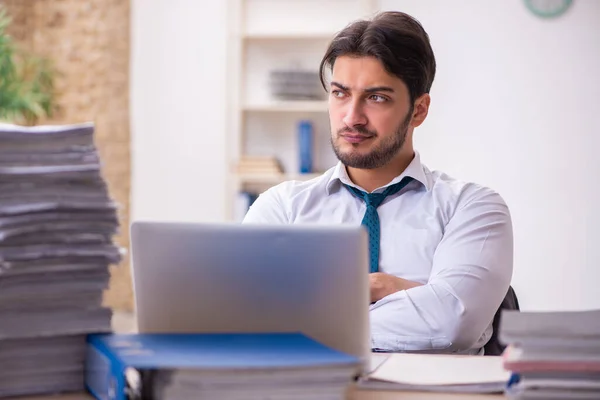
x=415, y=170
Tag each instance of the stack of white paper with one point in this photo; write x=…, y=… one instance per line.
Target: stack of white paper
x=552, y=354
x=437, y=373
x=57, y=222
x=326, y=383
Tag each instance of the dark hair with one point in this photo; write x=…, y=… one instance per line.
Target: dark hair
x=397, y=40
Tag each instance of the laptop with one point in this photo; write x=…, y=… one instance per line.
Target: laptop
x=191, y=277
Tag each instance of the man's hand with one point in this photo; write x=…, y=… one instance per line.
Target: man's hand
x=383, y=284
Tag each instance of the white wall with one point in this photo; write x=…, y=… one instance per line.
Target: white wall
x=516, y=106
x=178, y=95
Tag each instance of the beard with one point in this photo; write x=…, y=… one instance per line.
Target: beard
x=382, y=153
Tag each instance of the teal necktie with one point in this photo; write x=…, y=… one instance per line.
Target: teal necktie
x=371, y=217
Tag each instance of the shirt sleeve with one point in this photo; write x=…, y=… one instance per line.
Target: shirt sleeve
x=471, y=272
x=268, y=208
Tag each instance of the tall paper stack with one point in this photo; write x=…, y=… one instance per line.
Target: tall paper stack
x=56, y=227
x=552, y=355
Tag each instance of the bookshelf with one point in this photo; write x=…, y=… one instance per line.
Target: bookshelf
x=268, y=35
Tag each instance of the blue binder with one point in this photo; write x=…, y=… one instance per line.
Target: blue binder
x=110, y=355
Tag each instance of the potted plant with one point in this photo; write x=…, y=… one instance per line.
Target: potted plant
x=26, y=81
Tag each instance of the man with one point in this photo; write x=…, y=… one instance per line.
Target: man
x=441, y=249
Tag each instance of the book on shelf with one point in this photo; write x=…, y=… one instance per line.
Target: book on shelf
x=244, y=201
x=223, y=366
x=258, y=165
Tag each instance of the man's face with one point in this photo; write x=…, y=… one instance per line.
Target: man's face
x=369, y=111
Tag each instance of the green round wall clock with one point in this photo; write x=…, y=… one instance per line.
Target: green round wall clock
x=548, y=8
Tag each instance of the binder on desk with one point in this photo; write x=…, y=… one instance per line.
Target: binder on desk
x=223, y=366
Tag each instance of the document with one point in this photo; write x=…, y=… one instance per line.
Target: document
x=442, y=373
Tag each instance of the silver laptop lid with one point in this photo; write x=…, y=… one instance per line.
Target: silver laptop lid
x=246, y=278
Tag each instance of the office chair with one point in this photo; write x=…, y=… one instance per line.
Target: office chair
x=493, y=347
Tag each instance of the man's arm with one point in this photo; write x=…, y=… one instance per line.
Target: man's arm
x=472, y=269
x=382, y=285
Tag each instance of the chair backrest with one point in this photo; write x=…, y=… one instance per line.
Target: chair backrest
x=493, y=347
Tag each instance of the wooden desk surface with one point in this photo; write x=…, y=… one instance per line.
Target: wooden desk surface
x=353, y=395
x=125, y=323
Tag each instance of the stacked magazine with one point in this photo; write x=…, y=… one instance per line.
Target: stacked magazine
x=57, y=223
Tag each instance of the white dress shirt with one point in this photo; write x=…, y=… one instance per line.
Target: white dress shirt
x=453, y=237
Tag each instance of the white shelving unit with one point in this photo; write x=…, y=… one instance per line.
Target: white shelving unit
x=275, y=34
x=273, y=179
x=288, y=106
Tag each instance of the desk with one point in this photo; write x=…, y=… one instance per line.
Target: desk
x=125, y=323
x=353, y=395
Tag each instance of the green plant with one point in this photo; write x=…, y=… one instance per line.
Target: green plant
x=26, y=81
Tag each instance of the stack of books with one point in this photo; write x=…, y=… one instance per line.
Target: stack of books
x=552, y=354
x=258, y=165
x=229, y=366
x=295, y=84
x=56, y=227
